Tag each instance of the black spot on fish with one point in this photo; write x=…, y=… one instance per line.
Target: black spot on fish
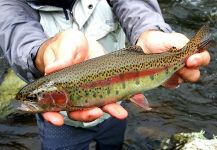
x=100, y=96
x=123, y=85
x=86, y=101
x=78, y=98
x=108, y=91
x=86, y=93
x=167, y=71
x=117, y=92
x=94, y=94
x=175, y=68
x=71, y=97
x=137, y=81
x=152, y=77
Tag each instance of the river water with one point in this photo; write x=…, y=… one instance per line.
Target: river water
x=191, y=107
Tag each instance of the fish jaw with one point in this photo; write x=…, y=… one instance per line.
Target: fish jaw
x=29, y=106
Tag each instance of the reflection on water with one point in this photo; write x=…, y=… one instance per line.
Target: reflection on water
x=192, y=107
x=19, y=133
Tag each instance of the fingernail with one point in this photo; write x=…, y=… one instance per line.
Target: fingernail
x=180, y=80
x=194, y=62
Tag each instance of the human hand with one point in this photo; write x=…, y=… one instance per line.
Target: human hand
x=67, y=48
x=156, y=41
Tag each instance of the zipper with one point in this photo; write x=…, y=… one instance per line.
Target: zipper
x=71, y=13
x=74, y=20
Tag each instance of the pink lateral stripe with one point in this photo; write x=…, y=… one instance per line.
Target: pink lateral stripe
x=122, y=78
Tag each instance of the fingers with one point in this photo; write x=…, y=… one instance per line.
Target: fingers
x=189, y=74
x=69, y=47
x=198, y=59
x=66, y=48
x=115, y=110
x=177, y=40
x=54, y=117
x=156, y=41
x=86, y=115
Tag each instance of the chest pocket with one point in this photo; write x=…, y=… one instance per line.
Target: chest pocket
x=100, y=21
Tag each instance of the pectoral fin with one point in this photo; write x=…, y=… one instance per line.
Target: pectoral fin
x=141, y=101
x=173, y=82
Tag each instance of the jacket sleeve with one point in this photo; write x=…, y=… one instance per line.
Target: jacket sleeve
x=20, y=37
x=137, y=16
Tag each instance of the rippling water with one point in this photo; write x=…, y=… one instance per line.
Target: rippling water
x=191, y=107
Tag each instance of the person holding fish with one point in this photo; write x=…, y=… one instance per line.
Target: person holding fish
x=42, y=37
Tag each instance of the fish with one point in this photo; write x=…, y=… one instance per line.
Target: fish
x=121, y=75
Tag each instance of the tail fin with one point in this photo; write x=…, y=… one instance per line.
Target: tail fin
x=203, y=32
x=206, y=43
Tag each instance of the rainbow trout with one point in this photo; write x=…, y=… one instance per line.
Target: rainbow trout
x=110, y=78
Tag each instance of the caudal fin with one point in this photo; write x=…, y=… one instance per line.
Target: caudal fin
x=206, y=43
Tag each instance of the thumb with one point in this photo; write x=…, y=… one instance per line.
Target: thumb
x=56, y=65
x=67, y=48
x=156, y=41
x=177, y=40
x=53, y=117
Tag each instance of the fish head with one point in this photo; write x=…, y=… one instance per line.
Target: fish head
x=27, y=102
x=45, y=97
x=23, y=96
x=34, y=91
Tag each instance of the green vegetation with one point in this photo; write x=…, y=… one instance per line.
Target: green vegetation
x=8, y=89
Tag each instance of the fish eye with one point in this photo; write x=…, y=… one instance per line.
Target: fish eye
x=31, y=97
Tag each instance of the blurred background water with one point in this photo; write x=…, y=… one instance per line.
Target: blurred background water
x=191, y=107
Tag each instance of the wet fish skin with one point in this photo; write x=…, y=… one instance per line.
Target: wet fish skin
x=106, y=79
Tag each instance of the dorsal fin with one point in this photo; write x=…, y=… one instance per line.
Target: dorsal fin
x=135, y=48
x=173, y=49
x=129, y=50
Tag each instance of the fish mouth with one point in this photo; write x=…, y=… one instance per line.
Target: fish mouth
x=29, y=106
x=24, y=97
